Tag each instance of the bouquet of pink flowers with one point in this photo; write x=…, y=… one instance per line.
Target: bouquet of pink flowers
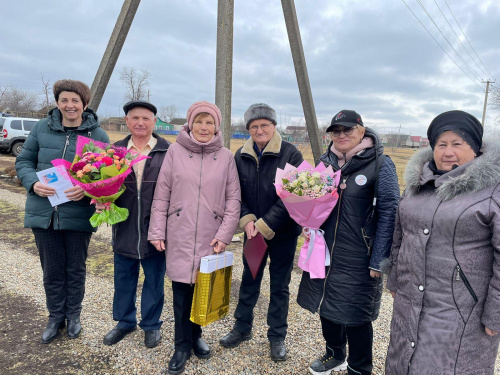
x=100, y=170
x=309, y=195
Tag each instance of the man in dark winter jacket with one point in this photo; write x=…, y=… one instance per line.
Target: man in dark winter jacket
x=263, y=212
x=358, y=234
x=130, y=237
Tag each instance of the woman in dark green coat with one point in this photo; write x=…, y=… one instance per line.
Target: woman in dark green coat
x=62, y=233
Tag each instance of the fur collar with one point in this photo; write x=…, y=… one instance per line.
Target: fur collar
x=273, y=147
x=478, y=174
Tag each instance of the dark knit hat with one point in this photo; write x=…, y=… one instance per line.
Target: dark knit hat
x=139, y=103
x=459, y=122
x=346, y=118
x=257, y=111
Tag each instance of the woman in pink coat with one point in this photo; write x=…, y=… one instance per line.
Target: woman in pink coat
x=195, y=212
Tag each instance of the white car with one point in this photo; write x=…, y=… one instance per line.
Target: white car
x=13, y=133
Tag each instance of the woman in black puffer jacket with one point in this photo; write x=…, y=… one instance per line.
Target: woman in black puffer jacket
x=358, y=233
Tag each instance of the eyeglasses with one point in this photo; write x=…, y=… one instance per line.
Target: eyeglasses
x=346, y=131
x=254, y=128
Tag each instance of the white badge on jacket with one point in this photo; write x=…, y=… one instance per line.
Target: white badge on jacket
x=361, y=179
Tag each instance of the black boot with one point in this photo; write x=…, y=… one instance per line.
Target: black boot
x=234, y=338
x=178, y=362
x=74, y=328
x=51, y=331
x=201, y=348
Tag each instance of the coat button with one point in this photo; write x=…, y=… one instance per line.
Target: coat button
x=178, y=214
x=426, y=231
x=412, y=344
x=421, y=288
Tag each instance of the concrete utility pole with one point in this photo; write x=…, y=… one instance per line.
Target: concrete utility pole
x=224, y=65
x=486, y=98
x=299, y=61
x=112, y=52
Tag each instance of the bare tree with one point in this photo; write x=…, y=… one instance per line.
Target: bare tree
x=3, y=90
x=18, y=100
x=135, y=82
x=238, y=126
x=168, y=113
x=45, y=91
x=494, y=101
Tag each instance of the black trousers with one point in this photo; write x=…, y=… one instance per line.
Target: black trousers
x=63, y=254
x=360, y=339
x=153, y=295
x=186, y=332
x=281, y=255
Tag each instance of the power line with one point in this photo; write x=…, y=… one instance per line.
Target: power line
x=467, y=38
x=440, y=44
x=452, y=29
x=444, y=36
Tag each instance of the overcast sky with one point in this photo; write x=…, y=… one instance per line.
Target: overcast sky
x=370, y=56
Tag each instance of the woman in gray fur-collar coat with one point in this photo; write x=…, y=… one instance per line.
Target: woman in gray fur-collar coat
x=445, y=261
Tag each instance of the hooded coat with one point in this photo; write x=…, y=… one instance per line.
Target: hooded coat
x=197, y=199
x=48, y=141
x=349, y=295
x=445, y=269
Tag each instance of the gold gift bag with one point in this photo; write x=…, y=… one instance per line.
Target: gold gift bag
x=212, y=289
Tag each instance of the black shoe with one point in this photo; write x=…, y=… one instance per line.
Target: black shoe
x=152, y=338
x=74, y=328
x=51, y=331
x=234, y=338
x=116, y=335
x=201, y=348
x=278, y=351
x=326, y=364
x=178, y=362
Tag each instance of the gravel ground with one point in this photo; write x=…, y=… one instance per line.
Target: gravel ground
x=20, y=274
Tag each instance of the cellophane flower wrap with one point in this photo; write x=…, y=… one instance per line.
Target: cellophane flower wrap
x=309, y=195
x=100, y=170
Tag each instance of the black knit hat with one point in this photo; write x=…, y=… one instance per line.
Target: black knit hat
x=346, y=118
x=139, y=103
x=459, y=122
x=257, y=111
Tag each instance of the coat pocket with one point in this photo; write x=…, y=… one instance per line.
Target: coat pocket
x=175, y=209
x=218, y=212
x=460, y=275
x=368, y=239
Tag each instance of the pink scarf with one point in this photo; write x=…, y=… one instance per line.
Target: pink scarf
x=366, y=142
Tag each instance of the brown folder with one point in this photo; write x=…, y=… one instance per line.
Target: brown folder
x=254, y=252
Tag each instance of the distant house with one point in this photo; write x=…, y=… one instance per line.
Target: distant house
x=424, y=142
x=162, y=125
x=178, y=123
x=295, y=133
x=413, y=141
x=116, y=124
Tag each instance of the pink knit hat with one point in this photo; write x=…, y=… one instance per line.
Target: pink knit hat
x=203, y=107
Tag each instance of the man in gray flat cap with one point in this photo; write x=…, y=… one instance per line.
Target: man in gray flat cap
x=130, y=237
x=262, y=211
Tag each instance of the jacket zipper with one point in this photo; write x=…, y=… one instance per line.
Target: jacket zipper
x=333, y=245
x=258, y=183
x=66, y=144
x=139, y=213
x=460, y=275
x=139, y=222
x=64, y=154
x=197, y=213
